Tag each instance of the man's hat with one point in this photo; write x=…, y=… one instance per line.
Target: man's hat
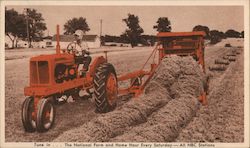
x=79, y=34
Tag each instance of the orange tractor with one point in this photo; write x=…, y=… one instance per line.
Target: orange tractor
x=47, y=83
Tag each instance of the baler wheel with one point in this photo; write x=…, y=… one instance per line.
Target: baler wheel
x=105, y=88
x=27, y=113
x=45, y=115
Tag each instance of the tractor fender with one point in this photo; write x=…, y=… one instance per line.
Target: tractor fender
x=97, y=61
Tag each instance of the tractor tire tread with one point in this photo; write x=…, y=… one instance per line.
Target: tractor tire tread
x=25, y=111
x=100, y=77
x=39, y=123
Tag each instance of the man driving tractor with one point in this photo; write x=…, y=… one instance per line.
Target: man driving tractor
x=81, y=51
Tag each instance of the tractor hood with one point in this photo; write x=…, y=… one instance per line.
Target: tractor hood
x=54, y=57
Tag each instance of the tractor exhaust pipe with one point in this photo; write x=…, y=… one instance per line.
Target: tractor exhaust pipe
x=57, y=40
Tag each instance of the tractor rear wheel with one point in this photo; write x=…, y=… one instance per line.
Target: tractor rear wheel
x=45, y=115
x=27, y=119
x=105, y=88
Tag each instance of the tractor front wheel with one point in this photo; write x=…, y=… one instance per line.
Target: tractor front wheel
x=45, y=115
x=27, y=115
x=105, y=88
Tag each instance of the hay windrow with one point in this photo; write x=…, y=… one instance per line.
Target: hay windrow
x=165, y=124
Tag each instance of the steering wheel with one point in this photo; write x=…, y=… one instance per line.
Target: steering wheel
x=71, y=48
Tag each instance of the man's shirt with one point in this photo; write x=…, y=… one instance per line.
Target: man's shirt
x=81, y=47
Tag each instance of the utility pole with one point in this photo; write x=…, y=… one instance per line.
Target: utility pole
x=100, y=27
x=27, y=25
x=101, y=32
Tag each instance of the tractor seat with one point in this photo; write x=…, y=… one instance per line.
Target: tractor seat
x=79, y=59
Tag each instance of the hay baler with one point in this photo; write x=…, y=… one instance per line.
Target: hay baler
x=169, y=43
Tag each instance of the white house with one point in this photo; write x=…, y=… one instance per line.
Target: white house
x=46, y=42
x=93, y=41
x=20, y=43
x=8, y=42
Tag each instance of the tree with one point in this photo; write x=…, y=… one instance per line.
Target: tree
x=74, y=24
x=202, y=28
x=15, y=26
x=163, y=25
x=36, y=25
x=242, y=34
x=215, y=36
x=124, y=38
x=222, y=35
x=232, y=33
x=134, y=30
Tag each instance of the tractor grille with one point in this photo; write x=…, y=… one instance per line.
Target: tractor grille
x=39, y=72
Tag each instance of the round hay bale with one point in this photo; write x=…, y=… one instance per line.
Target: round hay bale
x=231, y=59
x=228, y=45
x=218, y=67
x=234, y=51
x=225, y=57
x=231, y=54
x=221, y=61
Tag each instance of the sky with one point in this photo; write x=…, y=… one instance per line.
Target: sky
x=182, y=18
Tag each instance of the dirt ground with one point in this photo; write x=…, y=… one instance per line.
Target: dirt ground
x=220, y=121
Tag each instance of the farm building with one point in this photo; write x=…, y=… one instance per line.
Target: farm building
x=93, y=41
x=20, y=43
x=44, y=43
